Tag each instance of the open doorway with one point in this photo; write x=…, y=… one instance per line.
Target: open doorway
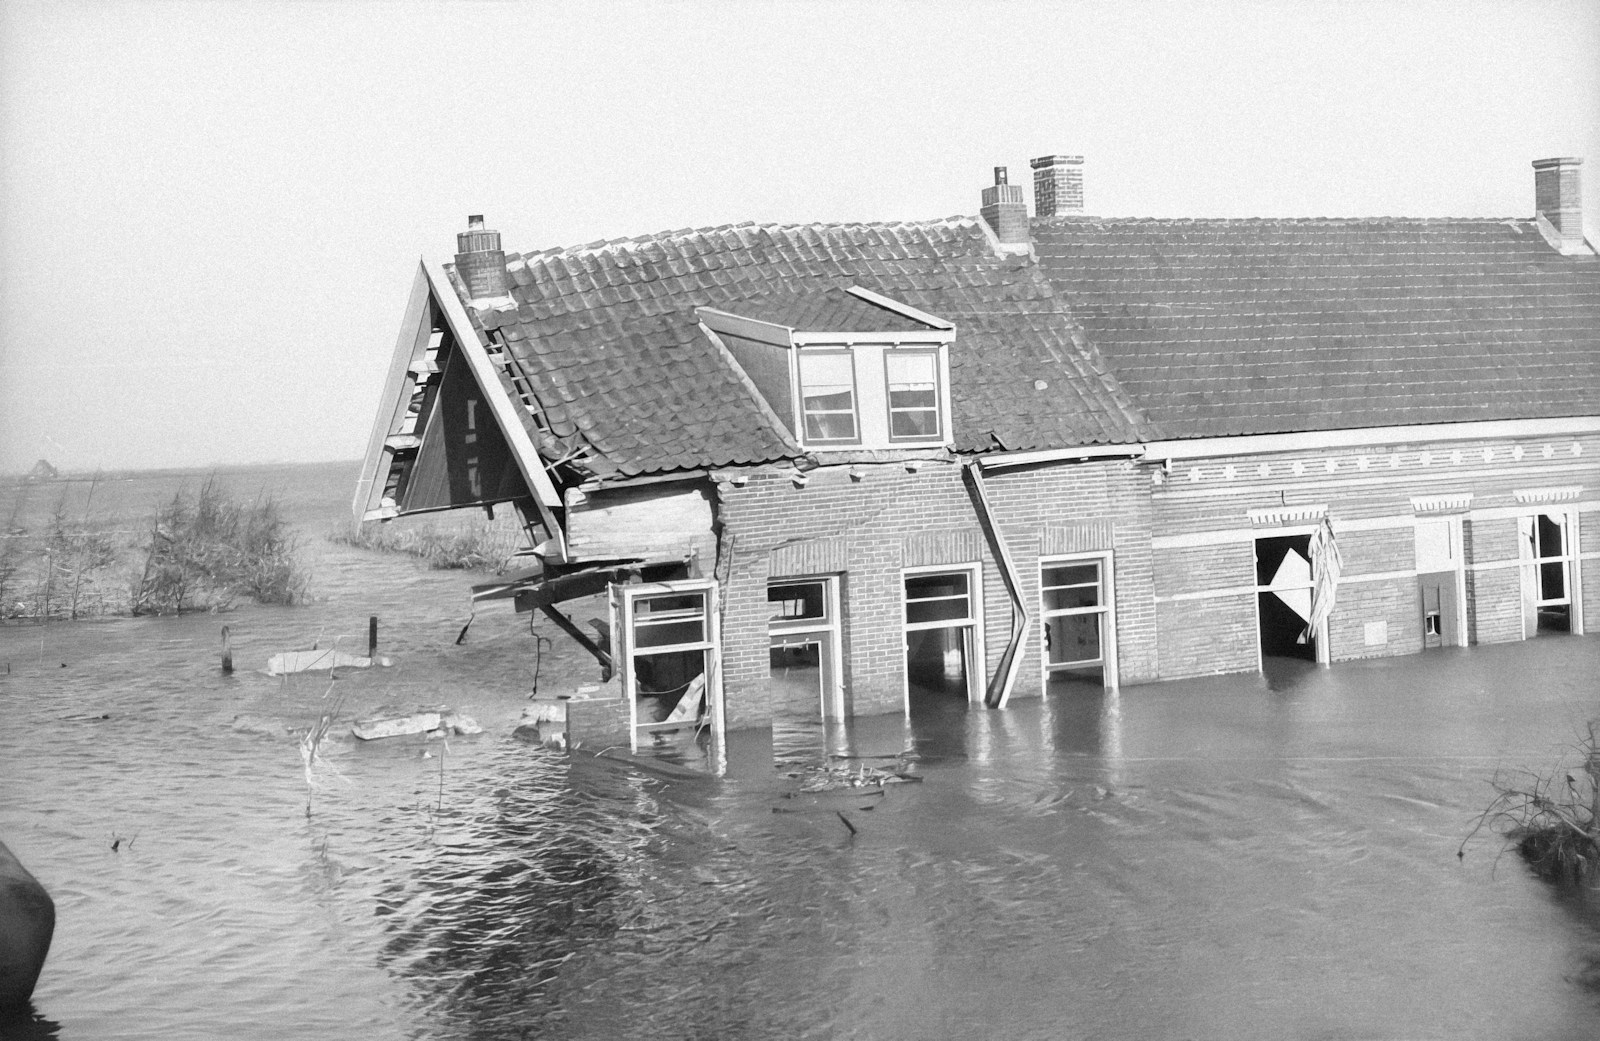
x=804, y=678
x=1441, y=581
x=1283, y=597
x=942, y=638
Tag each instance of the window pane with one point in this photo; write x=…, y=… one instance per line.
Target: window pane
x=667, y=633
x=831, y=426
x=1072, y=574
x=1074, y=638
x=920, y=369
x=913, y=381
x=676, y=604
x=1550, y=540
x=1552, y=581
x=799, y=601
x=913, y=397
x=817, y=370
x=1070, y=597
x=938, y=598
x=919, y=423
x=921, y=587
x=937, y=610
x=827, y=397
x=659, y=621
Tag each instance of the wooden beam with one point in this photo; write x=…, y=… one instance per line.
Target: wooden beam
x=506, y=412
x=607, y=667
x=411, y=345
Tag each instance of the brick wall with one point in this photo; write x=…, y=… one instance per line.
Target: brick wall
x=887, y=518
x=1205, y=533
x=1107, y=505
x=1198, y=637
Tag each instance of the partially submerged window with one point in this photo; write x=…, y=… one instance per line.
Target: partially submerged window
x=671, y=659
x=828, y=397
x=1079, y=628
x=1547, y=574
x=913, y=387
x=804, y=656
x=943, y=631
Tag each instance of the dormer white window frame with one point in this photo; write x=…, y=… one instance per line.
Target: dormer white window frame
x=868, y=353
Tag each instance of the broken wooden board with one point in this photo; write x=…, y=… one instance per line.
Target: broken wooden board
x=395, y=726
x=312, y=661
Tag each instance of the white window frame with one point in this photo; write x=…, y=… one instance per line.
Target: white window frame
x=832, y=701
x=1456, y=534
x=1569, y=559
x=940, y=397
x=1107, y=610
x=625, y=597
x=855, y=398
x=977, y=670
x=871, y=392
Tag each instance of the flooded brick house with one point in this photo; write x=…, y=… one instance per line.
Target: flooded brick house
x=834, y=470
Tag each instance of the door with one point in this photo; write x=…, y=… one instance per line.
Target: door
x=1441, y=582
x=1283, y=596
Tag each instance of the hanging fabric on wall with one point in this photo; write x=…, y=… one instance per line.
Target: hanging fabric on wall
x=1326, y=566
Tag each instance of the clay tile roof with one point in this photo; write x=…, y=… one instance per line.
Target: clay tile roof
x=607, y=337
x=1221, y=327
x=828, y=310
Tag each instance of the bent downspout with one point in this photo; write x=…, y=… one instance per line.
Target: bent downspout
x=1005, y=676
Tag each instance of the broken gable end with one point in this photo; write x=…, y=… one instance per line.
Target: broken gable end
x=447, y=434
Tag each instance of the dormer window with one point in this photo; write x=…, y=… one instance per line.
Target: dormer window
x=843, y=369
x=913, y=378
x=828, y=398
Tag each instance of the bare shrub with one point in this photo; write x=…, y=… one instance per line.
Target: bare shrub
x=484, y=546
x=1552, y=820
x=207, y=552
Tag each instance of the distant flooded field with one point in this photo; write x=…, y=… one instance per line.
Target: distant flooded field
x=1237, y=857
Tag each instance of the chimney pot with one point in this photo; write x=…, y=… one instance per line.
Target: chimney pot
x=480, y=262
x=1557, y=197
x=1005, y=210
x=1057, y=185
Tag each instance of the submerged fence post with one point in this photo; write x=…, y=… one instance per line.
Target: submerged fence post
x=372, y=636
x=227, y=652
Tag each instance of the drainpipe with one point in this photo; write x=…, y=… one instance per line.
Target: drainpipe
x=1005, y=676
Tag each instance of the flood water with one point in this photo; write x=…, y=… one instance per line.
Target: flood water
x=1235, y=857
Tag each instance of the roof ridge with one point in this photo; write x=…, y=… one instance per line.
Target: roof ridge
x=678, y=235
x=1085, y=219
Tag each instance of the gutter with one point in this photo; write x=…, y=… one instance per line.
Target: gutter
x=1005, y=677
x=1083, y=453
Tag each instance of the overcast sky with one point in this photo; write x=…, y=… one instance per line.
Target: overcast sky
x=210, y=212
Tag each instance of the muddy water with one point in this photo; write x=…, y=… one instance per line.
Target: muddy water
x=1239, y=857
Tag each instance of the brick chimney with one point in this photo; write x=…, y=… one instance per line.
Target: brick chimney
x=1005, y=210
x=480, y=262
x=1057, y=185
x=1556, y=198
